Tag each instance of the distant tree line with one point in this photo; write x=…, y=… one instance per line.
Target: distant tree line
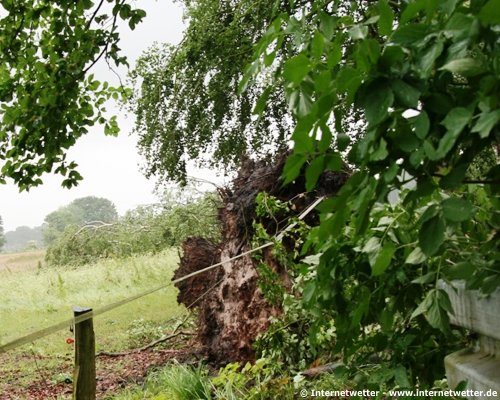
x=23, y=238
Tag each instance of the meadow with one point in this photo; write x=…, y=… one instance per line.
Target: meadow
x=34, y=296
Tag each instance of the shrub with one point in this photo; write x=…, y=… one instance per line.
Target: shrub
x=146, y=229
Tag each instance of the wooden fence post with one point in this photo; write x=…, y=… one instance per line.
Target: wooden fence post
x=84, y=376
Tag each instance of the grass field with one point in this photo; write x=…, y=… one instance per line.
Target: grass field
x=32, y=298
x=28, y=260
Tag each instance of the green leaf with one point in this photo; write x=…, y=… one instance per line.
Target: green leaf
x=464, y=66
x=334, y=55
x=429, y=213
x=386, y=320
x=431, y=235
x=304, y=104
x=334, y=162
x=437, y=317
x=377, y=100
x=363, y=301
x=309, y=290
x=401, y=377
x=490, y=13
x=411, y=10
x=343, y=141
x=424, y=279
x=408, y=142
x=358, y=32
x=456, y=210
x=426, y=62
x=313, y=172
x=328, y=23
x=380, y=153
x=292, y=167
x=386, y=18
x=383, y=259
x=422, y=125
x=454, y=178
x=391, y=173
x=424, y=305
x=410, y=34
x=296, y=68
x=367, y=54
x=486, y=122
x=457, y=118
x=317, y=45
x=461, y=270
x=326, y=138
x=372, y=246
x=405, y=93
x=261, y=103
x=455, y=122
x=348, y=80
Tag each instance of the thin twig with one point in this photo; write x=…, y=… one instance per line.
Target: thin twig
x=146, y=347
x=45, y=380
x=94, y=14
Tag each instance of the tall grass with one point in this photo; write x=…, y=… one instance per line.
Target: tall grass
x=173, y=382
x=32, y=299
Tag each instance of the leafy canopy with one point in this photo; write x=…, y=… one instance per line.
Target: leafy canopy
x=425, y=75
x=186, y=96
x=48, y=99
x=424, y=78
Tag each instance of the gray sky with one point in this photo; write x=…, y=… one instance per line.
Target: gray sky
x=110, y=166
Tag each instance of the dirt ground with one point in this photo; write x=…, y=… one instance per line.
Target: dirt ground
x=114, y=373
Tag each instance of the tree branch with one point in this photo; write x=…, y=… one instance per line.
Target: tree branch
x=94, y=14
x=146, y=347
x=473, y=181
x=105, y=49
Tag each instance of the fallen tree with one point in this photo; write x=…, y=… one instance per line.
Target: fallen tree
x=235, y=311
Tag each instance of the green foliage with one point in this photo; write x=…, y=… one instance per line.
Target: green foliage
x=146, y=229
x=376, y=300
x=424, y=79
x=47, y=96
x=174, y=382
x=288, y=341
x=186, y=96
x=82, y=211
x=257, y=381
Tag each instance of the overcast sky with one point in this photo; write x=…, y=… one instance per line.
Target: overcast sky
x=110, y=166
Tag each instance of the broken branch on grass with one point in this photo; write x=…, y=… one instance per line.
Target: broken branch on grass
x=146, y=347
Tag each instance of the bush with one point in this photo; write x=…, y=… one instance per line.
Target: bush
x=146, y=229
